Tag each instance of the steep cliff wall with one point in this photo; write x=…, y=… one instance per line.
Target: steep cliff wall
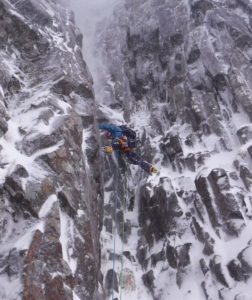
x=50, y=203
x=179, y=72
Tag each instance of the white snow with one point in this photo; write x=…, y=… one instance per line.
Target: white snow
x=115, y=116
x=75, y=297
x=10, y=289
x=47, y=205
x=1, y=91
x=66, y=239
x=25, y=240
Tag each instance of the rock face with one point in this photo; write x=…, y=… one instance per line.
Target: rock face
x=50, y=212
x=180, y=74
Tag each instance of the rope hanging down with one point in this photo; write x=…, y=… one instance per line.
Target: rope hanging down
x=115, y=232
x=123, y=232
x=124, y=209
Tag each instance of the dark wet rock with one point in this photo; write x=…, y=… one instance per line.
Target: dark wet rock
x=226, y=202
x=67, y=204
x=234, y=227
x=24, y=38
x=108, y=223
x=20, y=171
x=3, y=120
x=3, y=126
x=197, y=229
x=244, y=134
x=46, y=116
x=157, y=257
x=172, y=256
x=205, y=290
x=38, y=192
x=142, y=250
x=126, y=231
x=148, y=280
x=250, y=151
x=194, y=55
x=246, y=176
x=217, y=269
x=245, y=258
x=233, y=175
x=65, y=87
x=14, y=263
x=220, y=81
x=220, y=179
x=158, y=213
x=43, y=258
x=183, y=256
x=203, y=237
x=236, y=271
x=17, y=196
x=114, y=256
x=195, y=161
x=199, y=208
x=180, y=276
x=202, y=187
x=179, y=258
x=131, y=204
x=14, y=85
x=111, y=281
x=56, y=290
x=171, y=146
x=35, y=13
x=208, y=244
x=128, y=255
x=204, y=266
x=39, y=142
x=177, y=39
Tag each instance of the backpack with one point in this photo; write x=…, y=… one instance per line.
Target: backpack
x=131, y=136
x=129, y=133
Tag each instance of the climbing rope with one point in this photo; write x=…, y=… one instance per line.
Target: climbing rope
x=124, y=209
x=115, y=232
x=123, y=233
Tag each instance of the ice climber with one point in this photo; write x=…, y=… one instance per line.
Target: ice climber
x=124, y=140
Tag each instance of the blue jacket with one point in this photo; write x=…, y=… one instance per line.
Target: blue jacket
x=113, y=129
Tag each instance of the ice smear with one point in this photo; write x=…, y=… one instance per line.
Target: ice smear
x=115, y=116
x=10, y=289
x=47, y=206
x=66, y=239
x=1, y=91
x=75, y=297
x=25, y=241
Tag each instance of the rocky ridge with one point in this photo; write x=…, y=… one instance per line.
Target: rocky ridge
x=179, y=72
x=50, y=175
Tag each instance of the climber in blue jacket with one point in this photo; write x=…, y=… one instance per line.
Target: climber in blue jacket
x=124, y=140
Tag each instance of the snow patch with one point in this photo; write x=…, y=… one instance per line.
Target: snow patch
x=66, y=239
x=47, y=206
x=25, y=241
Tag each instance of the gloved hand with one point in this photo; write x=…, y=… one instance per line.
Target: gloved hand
x=153, y=169
x=107, y=149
